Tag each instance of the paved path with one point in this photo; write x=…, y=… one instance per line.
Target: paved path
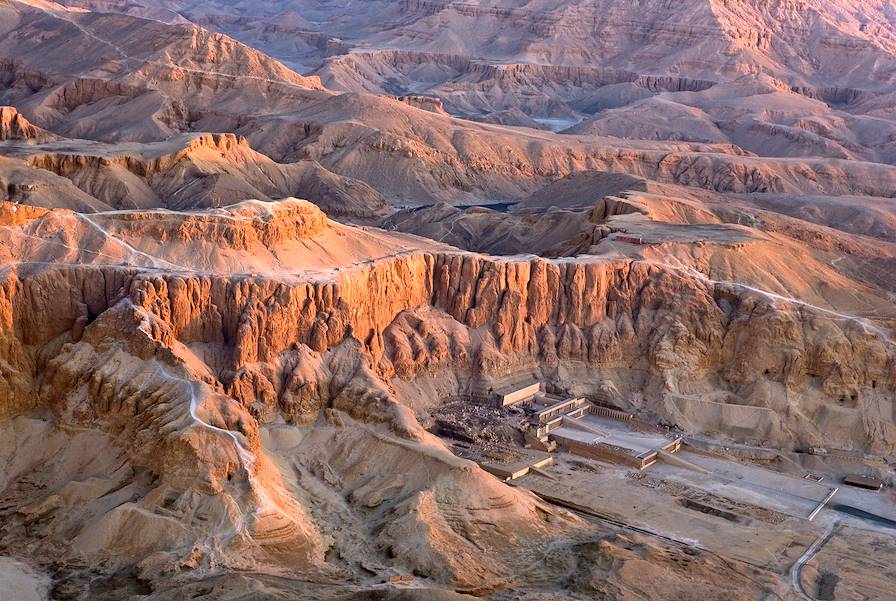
x=808, y=555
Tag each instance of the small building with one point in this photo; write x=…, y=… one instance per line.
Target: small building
x=864, y=482
x=631, y=239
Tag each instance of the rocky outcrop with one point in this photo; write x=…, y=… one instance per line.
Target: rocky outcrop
x=672, y=84
x=473, y=87
x=426, y=103
x=271, y=224
x=14, y=126
x=193, y=171
x=835, y=96
x=82, y=91
x=68, y=164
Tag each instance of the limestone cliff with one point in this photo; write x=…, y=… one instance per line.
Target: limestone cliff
x=685, y=332
x=14, y=126
x=213, y=416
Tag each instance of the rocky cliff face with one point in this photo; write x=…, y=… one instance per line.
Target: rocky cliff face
x=677, y=324
x=684, y=332
x=202, y=386
x=186, y=172
x=14, y=126
x=186, y=376
x=207, y=391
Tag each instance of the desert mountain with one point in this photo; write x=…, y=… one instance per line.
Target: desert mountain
x=806, y=43
x=447, y=300
x=413, y=155
x=184, y=172
x=118, y=78
x=827, y=70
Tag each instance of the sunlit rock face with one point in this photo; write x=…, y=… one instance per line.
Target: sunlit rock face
x=159, y=336
x=266, y=266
